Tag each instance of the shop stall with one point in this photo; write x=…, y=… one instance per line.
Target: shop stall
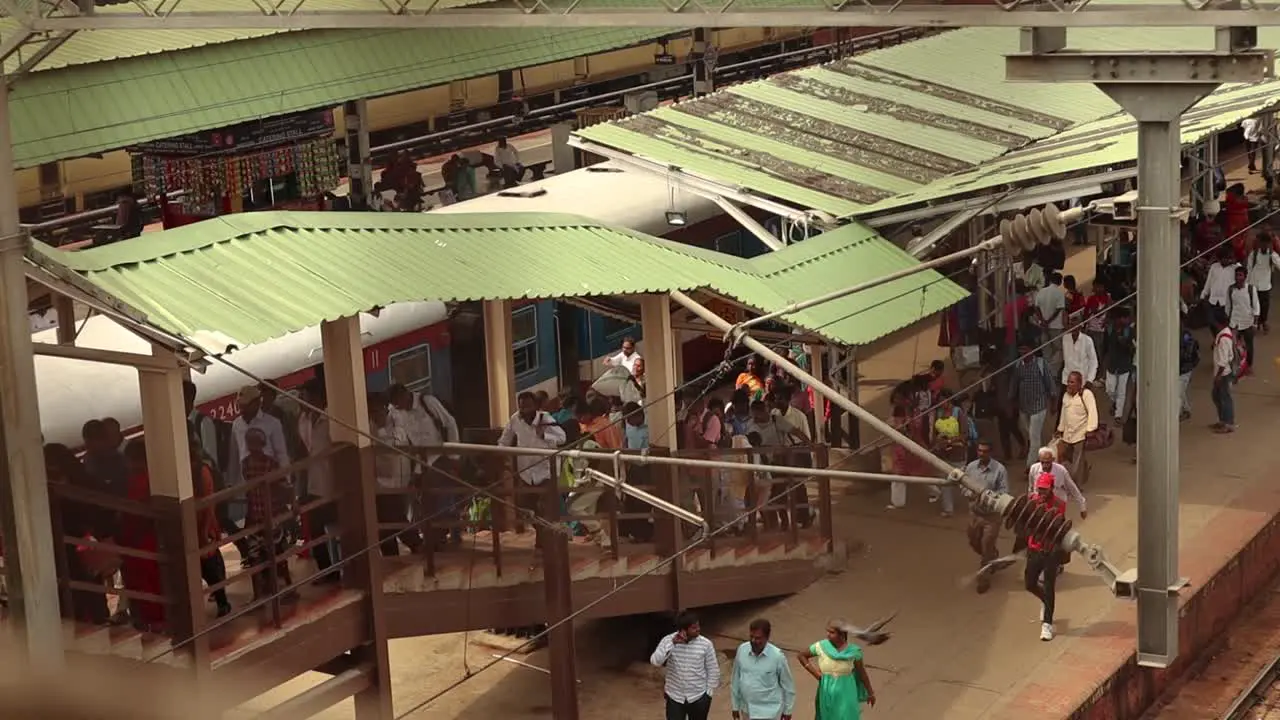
x=284, y=162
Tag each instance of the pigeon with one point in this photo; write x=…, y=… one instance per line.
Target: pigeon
x=874, y=633
x=992, y=568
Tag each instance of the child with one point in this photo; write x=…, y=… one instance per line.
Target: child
x=256, y=464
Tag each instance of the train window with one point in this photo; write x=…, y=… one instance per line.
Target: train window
x=524, y=339
x=411, y=368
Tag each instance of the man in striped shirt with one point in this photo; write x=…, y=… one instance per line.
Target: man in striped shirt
x=693, y=673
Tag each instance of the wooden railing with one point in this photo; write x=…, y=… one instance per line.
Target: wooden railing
x=620, y=526
x=765, y=514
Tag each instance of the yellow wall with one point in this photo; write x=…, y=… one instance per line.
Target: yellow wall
x=89, y=175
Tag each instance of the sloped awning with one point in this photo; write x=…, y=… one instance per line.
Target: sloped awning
x=1111, y=142
x=874, y=131
x=244, y=279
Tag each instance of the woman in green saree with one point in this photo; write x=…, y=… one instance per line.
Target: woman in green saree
x=843, y=684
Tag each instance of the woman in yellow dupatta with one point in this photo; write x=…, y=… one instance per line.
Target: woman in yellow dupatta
x=843, y=684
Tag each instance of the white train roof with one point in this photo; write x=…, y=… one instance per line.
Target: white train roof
x=74, y=391
x=607, y=192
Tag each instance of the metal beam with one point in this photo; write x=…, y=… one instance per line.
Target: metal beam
x=1029, y=196
x=1104, y=68
x=685, y=16
x=749, y=223
x=708, y=189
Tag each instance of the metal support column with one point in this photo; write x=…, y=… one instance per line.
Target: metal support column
x=703, y=60
x=1156, y=88
x=1158, y=110
x=24, y=493
x=355, y=118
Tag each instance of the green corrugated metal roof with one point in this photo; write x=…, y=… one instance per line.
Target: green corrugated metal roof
x=75, y=111
x=94, y=46
x=847, y=137
x=1109, y=142
x=244, y=279
x=848, y=256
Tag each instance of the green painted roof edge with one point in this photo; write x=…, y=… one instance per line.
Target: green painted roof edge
x=226, y=228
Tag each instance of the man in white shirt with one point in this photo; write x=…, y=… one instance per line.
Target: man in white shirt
x=251, y=416
x=531, y=428
x=1224, y=349
x=693, y=672
x=427, y=423
x=1262, y=260
x=627, y=358
x=1243, y=310
x=1050, y=307
x=1064, y=487
x=1252, y=139
x=508, y=162
x=1078, y=418
x=1079, y=354
x=1218, y=281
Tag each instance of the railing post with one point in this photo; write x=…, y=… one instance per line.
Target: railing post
x=180, y=570
x=557, y=578
x=822, y=459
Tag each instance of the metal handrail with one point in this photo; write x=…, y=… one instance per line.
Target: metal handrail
x=649, y=499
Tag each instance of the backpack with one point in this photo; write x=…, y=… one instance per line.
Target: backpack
x=1239, y=364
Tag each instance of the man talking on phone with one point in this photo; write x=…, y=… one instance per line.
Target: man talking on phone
x=693, y=673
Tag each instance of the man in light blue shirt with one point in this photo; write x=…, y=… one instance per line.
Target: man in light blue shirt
x=984, y=528
x=762, y=686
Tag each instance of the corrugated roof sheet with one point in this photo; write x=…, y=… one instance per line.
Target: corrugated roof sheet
x=91, y=46
x=75, y=111
x=244, y=279
x=1109, y=142
x=848, y=137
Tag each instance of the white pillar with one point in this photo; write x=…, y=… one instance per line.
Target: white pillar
x=660, y=343
x=24, y=494
x=164, y=415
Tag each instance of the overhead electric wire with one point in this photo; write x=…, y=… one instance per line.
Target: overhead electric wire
x=712, y=376
x=697, y=543
x=667, y=561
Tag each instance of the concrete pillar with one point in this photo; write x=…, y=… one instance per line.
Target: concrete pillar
x=660, y=345
x=355, y=119
x=501, y=379
x=344, y=381
x=164, y=416
x=24, y=494
x=703, y=60
x=562, y=154
x=355, y=479
x=500, y=369
x=817, y=361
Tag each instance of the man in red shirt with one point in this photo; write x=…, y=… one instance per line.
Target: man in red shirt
x=1096, y=306
x=1043, y=557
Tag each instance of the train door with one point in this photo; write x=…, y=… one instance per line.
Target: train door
x=468, y=358
x=569, y=345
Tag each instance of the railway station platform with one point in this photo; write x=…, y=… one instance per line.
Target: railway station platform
x=960, y=655
x=955, y=654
